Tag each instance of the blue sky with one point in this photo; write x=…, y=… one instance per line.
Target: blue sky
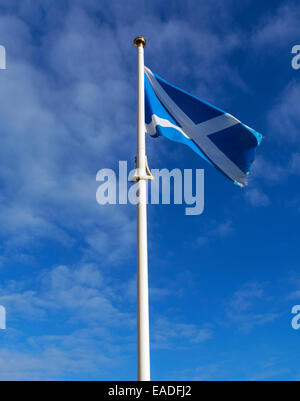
x=222, y=284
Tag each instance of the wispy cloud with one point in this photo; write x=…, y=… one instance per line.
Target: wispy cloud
x=279, y=27
x=215, y=230
x=284, y=117
x=256, y=197
x=268, y=171
x=172, y=334
x=78, y=291
x=246, y=308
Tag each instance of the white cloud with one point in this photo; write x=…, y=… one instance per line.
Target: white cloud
x=63, y=356
x=80, y=292
x=284, y=117
x=295, y=163
x=215, y=230
x=268, y=171
x=279, y=28
x=246, y=308
x=172, y=334
x=256, y=197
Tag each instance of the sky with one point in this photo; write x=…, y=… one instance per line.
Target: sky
x=223, y=283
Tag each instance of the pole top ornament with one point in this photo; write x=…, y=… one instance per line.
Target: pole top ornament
x=139, y=41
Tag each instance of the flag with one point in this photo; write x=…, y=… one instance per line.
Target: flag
x=215, y=135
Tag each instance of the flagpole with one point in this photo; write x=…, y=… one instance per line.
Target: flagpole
x=143, y=343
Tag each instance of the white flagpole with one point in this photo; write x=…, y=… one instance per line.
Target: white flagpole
x=143, y=345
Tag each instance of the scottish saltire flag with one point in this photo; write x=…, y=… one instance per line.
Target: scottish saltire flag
x=218, y=137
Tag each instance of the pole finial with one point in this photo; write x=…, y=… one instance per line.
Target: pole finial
x=139, y=41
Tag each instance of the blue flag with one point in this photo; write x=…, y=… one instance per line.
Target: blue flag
x=218, y=137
